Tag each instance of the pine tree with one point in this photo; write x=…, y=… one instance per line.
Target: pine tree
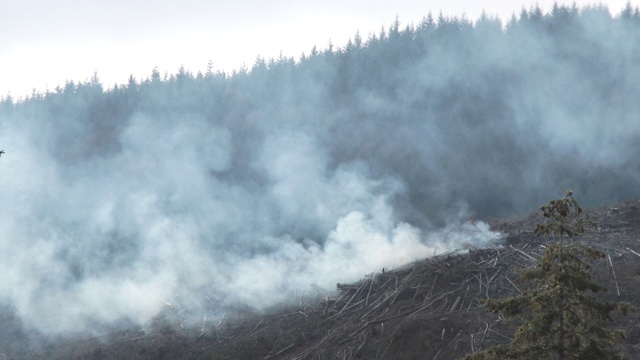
x=560, y=317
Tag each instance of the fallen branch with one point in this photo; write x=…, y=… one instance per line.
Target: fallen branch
x=523, y=253
x=633, y=252
x=279, y=352
x=514, y=285
x=369, y=293
x=614, y=272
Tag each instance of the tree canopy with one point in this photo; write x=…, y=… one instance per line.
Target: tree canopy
x=472, y=106
x=561, y=317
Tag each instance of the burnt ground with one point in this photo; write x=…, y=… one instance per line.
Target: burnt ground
x=426, y=310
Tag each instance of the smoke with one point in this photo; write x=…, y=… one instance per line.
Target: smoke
x=121, y=236
x=212, y=192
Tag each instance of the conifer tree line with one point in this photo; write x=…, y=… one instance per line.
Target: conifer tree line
x=484, y=111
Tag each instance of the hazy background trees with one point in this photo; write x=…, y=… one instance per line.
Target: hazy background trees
x=453, y=109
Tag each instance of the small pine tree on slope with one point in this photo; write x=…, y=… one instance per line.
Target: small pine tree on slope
x=560, y=317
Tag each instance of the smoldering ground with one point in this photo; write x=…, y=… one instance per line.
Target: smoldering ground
x=246, y=187
x=122, y=236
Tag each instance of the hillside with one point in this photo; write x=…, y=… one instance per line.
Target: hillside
x=212, y=214
x=424, y=310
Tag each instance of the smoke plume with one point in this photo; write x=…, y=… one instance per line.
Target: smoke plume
x=237, y=190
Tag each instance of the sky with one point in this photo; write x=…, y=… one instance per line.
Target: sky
x=44, y=43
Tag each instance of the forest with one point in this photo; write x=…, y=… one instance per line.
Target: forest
x=480, y=112
x=392, y=137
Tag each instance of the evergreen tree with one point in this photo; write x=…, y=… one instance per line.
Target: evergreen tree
x=155, y=75
x=132, y=84
x=560, y=317
x=357, y=40
x=209, y=73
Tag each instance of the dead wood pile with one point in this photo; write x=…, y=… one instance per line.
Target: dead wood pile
x=430, y=309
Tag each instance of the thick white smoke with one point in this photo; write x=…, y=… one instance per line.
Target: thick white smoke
x=119, y=236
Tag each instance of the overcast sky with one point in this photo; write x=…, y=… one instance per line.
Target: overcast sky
x=43, y=43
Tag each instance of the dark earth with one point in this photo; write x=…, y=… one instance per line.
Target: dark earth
x=426, y=310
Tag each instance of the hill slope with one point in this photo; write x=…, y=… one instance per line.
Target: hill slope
x=425, y=310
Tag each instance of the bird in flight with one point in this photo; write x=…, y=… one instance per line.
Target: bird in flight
x=1, y=152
